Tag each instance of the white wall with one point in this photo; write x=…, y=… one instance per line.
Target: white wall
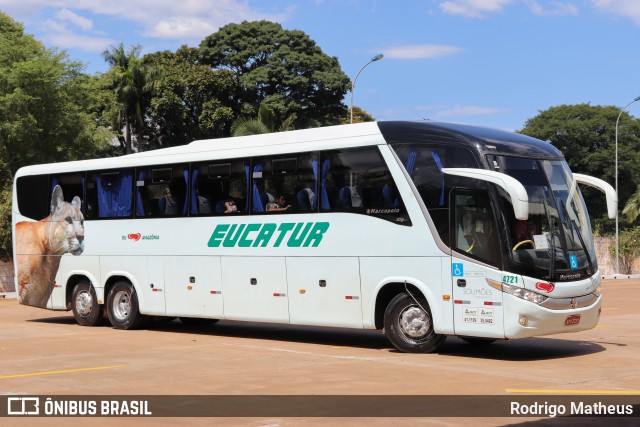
x=6, y=277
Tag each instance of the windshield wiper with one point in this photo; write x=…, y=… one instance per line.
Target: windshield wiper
x=552, y=268
x=584, y=246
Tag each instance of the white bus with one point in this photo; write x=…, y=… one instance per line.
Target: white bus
x=420, y=229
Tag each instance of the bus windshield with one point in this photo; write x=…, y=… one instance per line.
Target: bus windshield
x=555, y=242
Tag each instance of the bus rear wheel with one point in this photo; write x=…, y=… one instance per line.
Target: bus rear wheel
x=122, y=307
x=408, y=325
x=84, y=305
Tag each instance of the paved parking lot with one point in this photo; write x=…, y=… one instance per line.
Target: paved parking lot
x=44, y=352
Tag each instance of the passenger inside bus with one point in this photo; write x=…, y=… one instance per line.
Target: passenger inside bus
x=523, y=232
x=230, y=206
x=279, y=205
x=474, y=228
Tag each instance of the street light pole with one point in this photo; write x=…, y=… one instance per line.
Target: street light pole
x=617, y=121
x=353, y=83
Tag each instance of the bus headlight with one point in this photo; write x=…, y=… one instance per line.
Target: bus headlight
x=519, y=292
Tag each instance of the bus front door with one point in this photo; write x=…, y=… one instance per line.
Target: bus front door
x=477, y=307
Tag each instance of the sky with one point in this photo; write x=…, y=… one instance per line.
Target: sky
x=489, y=62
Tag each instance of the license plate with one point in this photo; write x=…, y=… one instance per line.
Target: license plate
x=572, y=320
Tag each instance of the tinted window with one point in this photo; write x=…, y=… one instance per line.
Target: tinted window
x=358, y=180
x=33, y=196
x=474, y=226
x=72, y=185
x=219, y=187
x=424, y=163
x=162, y=191
x=109, y=194
x=285, y=183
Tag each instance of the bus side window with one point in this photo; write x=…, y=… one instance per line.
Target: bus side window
x=294, y=176
x=424, y=163
x=358, y=181
x=162, y=191
x=33, y=196
x=72, y=185
x=217, y=187
x=473, y=226
x=109, y=194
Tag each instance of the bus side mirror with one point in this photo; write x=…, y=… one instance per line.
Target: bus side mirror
x=512, y=186
x=609, y=191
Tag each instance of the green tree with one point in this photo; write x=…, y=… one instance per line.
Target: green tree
x=585, y=134
x=5, y=212
x=283, y=69
x=132, y=83
x=46, y=111
x=44, y=103
x=359, y=116
x=629, y=249
x=632, y=207
x=265, y=123
x=190, y=100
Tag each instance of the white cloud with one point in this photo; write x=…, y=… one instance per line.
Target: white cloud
x=625, y=8
x=468, y=110
x=185, y=28
x=77, y=20
x=188, y=21
x=421, y=51
x=69, y=40
x=473, y=8
x=555, y=8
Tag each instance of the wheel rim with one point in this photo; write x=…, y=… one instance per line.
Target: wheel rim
x=121, y=305
x=414, y=322
x=84, y=303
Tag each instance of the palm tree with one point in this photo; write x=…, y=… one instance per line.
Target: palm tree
x=263, y=124
x=132, y=83
x=632, y=208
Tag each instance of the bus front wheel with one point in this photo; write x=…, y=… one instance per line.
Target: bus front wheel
x=408, y=325
x=84, y=305
x=122, y=307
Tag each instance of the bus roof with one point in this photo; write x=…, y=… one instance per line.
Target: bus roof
x=324, y=138
x=485, y=139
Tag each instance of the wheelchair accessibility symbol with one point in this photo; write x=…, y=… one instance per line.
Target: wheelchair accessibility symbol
x=457, y=270
x=573, y=262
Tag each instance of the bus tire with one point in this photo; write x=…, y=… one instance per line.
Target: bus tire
x=122, y=307
x=409, y=326
x=84, y=305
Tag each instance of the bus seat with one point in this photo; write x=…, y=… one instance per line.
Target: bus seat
x=204, y=205
x=167, y=205
x=304, y=199
x=220, y=208
x=356, y=197
x=267, y=198
x=388, y=194
x=344, y=198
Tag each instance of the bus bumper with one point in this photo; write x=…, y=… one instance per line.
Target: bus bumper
x=525, y=319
